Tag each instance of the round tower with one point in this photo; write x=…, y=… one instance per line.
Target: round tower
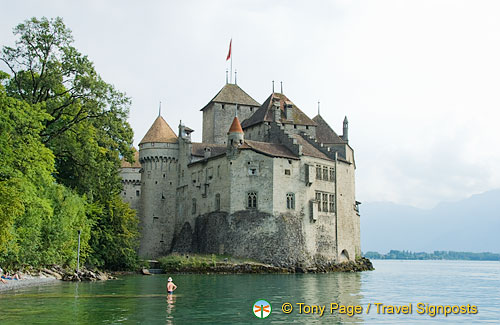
x=235, y=135
x=158, y=155
x=345, y=130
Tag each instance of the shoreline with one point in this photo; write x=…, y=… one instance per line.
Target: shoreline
x=360, y=265
x=27, y=281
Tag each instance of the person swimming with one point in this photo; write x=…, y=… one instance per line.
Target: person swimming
x=170, y=286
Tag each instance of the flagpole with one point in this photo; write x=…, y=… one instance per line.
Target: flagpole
x=231, y=60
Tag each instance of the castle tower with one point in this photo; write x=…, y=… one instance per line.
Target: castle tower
x=235, y=135
x=158, y=155
x=345, y=136
x=219, y=112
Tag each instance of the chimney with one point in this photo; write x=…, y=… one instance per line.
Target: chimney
x=276, y=109
x=288, y=110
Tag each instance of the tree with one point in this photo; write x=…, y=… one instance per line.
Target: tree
x=86, y=128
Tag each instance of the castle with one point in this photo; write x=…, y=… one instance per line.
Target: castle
x=266, y=182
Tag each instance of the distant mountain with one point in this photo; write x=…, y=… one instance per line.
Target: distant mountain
x=469, y=225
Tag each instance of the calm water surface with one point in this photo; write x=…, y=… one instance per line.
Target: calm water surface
x=229, y=298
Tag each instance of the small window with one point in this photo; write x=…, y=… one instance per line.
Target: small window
x=332, y=174
x=193, y=208
x=318, y=172
x=287, y=172
x=325, y=173
x=325, y=202
x=332, y=203
x=217, y=202
x=137, y=193
x=318, y=200
x=251, y=109
x=295, y=126
x=252, y=200
x=218, y=171
x=252, y=171
x=164, y=175
x=290, y=201
x=307, y=127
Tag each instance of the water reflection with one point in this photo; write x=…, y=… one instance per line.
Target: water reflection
x=170, y=307
x=323, y=290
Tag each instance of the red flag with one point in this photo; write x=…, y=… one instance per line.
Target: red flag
x=229, y=54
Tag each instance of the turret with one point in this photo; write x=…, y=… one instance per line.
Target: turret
x=345, y=130
x=235, y=136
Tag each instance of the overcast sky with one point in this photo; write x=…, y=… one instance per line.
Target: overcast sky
x=418, y=80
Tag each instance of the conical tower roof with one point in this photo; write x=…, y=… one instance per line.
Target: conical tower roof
x=160, y=131
x=235, y=126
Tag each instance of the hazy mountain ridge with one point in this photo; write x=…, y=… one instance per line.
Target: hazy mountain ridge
x=471, y=225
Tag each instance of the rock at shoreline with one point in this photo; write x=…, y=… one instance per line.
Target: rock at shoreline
x=361, y=264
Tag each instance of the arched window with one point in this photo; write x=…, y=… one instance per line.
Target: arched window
x=217, y=202
x=290, y=201
x=252, y=200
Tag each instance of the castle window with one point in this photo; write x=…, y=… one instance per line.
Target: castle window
x=149, y=175
x=332, y=174
x=252, y=200
x=295, y=126
x=222, y=106
x=217, y=202
x=252, y=171
x=124, y=193
x=164, y=175
x=218, y=171
x=307, y=127
x=290, y=201
x=193, y=208
x=318, y=172
x=325, y=173
x=332, y=203
x=318, y=200
x=325, y=202
x=251, y=109
x=287, y=172
x=137, y=193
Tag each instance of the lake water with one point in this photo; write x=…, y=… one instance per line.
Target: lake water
x=229, y=298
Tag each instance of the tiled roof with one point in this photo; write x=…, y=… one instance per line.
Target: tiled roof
x=136, y=164
x=235, y=126
x=308, y=149
x=233, y=94
x=160, y=131
x=198, y=149
x=270, y=149
x=265, y=113
x=324, y=133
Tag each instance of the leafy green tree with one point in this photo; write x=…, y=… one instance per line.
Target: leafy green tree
x=38, y=218
x=86, y=130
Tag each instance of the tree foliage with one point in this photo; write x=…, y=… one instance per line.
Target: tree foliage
x=75, y=126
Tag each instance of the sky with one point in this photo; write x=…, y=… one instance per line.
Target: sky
x=418, y=80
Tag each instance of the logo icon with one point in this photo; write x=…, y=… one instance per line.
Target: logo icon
x=261, y=308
